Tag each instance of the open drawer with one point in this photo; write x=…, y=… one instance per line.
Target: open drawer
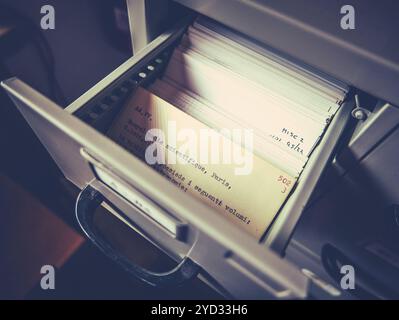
x=187, y=230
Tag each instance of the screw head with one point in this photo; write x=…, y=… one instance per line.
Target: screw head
x=359, y=114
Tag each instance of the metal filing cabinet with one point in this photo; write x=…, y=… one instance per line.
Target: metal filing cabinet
x=197, y=238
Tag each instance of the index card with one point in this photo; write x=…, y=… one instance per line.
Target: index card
x=248, y=193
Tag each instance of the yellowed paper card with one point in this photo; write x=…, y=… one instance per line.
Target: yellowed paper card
x=251, y=200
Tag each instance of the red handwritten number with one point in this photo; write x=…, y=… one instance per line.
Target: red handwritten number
x=285, y=181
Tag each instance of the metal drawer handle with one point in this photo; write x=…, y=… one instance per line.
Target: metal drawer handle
x=87, y=202
x=170, y=224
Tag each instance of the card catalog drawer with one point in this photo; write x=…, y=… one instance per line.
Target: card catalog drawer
x=186, y=229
